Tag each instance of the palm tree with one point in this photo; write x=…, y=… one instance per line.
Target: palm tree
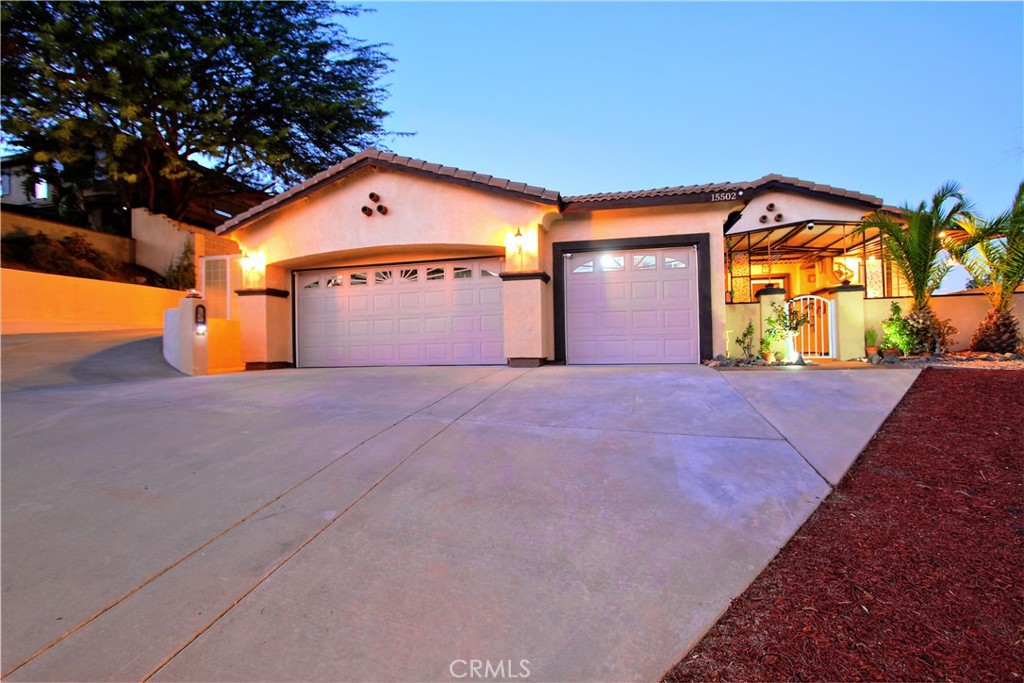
x=914, y=244
x=993, y=253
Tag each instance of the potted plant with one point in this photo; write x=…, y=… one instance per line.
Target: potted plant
x=765, y=346
x=870, y=342
x=785, y=323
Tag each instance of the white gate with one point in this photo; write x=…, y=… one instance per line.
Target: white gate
x=817, y=337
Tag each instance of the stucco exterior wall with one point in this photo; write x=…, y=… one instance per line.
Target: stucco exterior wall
x=39, y=302
x=161, y=240
x=118, y=248
x=425, y=219
x=965, y=311
x=737, y=316
x=654, y=222
x=795, y=208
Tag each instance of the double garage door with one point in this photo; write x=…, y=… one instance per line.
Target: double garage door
x=632, y=306
x=407, y=314
x=621, y=306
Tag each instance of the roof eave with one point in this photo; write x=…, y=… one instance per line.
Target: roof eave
x=548, y=198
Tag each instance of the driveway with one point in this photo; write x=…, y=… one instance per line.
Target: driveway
x=575, y=523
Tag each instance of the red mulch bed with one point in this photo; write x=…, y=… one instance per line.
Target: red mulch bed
x=913, y=569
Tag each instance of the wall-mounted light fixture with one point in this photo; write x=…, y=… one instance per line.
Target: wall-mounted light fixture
x=517, y=241
x=254, y=269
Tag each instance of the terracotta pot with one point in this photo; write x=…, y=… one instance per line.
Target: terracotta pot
x=768, y=356
x=871, y=350
x=890, y=355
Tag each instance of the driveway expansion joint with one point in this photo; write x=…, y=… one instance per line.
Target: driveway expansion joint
x=339, y=515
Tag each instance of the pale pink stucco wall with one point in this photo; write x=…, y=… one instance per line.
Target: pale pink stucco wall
x=795, y=208
x=426, y=219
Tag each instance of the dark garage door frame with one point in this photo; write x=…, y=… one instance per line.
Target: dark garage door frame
x=701, y=241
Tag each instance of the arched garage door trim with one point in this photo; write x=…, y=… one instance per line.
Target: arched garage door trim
x=701, y=241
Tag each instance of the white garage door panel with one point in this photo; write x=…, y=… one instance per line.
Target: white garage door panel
x=420, y=314
x=632, y=306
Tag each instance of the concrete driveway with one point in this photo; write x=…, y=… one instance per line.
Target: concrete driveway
x=572, y=523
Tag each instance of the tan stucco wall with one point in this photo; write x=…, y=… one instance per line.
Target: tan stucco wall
x=118, y=248
x=737, y=316
x=38, y=302
x=964, y=311
x=676, y=220
x=224, y=346
x=425, y=219
x=161, y=240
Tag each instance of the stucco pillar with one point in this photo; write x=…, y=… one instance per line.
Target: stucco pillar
x=523, y=295
x=766, y=297
x=265, y=315
x=849, y=311
x=192, y=341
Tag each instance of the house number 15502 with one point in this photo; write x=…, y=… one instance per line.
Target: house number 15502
x=723, y=196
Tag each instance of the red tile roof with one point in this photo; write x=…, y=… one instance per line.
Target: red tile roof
x=768, y=182
x=587, y=202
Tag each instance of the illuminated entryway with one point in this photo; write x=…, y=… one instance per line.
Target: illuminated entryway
x=440, y=313
x=632, y=306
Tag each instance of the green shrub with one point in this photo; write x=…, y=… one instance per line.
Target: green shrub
x=870, y=337
x=181, y=274
x=896, y=332
x=78, y=245
x=746, y=340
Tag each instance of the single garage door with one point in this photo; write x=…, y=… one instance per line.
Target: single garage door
x=632, y=306
x=407, y=314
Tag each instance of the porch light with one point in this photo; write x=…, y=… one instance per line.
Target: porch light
x=518, y=240
x=254, y=268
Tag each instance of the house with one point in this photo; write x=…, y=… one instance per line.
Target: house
x=387, y=260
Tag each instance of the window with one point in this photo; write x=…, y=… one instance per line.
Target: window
x=585, y=267
x=410, y=274
x=435, y=273
x=42, y=189
x=461, y=273
x=315, y=284
x=335, y=280
x=674, y=262
x=382, y=277
x=215, y=287
x=647, y=262
x=356, y=279
x=487, y=273
x=612, y=263
x=5, y=183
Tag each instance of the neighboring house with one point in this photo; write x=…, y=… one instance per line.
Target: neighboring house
x=387, y=260
x=14, y=191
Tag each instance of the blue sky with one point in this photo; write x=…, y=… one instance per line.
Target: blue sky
x=891, y=99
